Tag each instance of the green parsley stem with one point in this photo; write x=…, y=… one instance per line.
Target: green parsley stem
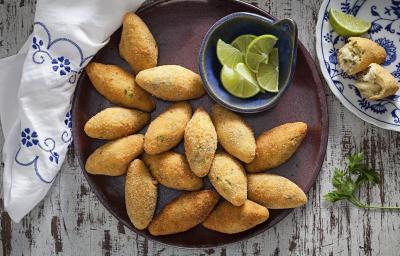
x=360, y=204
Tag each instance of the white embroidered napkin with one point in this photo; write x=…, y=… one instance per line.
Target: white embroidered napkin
x=36, y=89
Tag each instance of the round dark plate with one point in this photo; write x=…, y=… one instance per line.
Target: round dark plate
x=179, y=27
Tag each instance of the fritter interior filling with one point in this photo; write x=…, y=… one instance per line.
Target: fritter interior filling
x=367, y=83
x=350, y=54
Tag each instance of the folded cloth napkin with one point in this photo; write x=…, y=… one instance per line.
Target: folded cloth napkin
x=36, y=89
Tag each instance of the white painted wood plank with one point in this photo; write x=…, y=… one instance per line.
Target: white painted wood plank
x=71, y=221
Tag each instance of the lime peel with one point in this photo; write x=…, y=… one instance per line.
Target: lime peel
x=228, y=55
x=240, y=81
x=347, y=25
x=258, y=51
x=242, y=42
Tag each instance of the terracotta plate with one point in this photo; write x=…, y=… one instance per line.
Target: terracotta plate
x=178, y=27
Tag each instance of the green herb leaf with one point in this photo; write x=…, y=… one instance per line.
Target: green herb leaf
x=334, y=196
x=345, y=186
x=356, y=162
x=357, y=166
x=343, y=183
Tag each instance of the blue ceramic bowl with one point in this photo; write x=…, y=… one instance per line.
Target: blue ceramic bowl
x=227, y=29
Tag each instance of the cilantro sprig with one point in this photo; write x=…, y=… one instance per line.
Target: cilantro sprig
x=347, y=182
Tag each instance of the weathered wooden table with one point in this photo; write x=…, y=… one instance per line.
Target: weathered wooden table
x=71, y=221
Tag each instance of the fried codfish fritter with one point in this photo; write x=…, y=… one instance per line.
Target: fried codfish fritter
x=359, y=53
x=276, y=146
x=171, y=82
x=172, y=170
x=230, y=219
x=115, y=122
x=376, y=83
x=235, y=136
x=113, y=158
x=228, y=177
x=140, y=194
x=137, y=45
x=118, y=86
x=167, y=130
x=200, y=142
x=274, y=192
x=184, y=212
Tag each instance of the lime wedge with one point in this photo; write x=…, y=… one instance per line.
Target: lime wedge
x=347, y=25
x=242, y=42
x=258, y=51
x=228, y=55
x=240, y=81
x=274, y=57
x=268, y=77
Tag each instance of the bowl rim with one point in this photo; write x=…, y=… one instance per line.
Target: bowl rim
x=203, y=73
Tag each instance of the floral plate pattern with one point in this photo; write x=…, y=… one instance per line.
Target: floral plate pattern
x=385, y=30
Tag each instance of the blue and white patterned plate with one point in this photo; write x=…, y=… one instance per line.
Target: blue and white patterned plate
x=385, y=30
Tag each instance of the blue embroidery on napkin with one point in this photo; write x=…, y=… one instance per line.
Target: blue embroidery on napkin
x=30, y=138
x=60, y=64
x=66, y=136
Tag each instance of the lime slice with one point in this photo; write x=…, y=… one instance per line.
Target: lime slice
x=242, y=42
x=347, y=25
x=228, y=55
x=240, y=81
x=268, y=77
x=273, y=57
x=258, y=51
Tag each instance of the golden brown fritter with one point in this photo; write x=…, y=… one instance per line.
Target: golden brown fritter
x=184, y=212
x=140, y=194
x=167, y=130
x=358, y=53
x=113, y=158
x=276, y=146
x=377, y=83
x=274, y=192
x=228, y=177
x=234, y=134
x=115, y=122
x=137, y=45
x=172, y=170
x=200, y=142
x=118, y=86
x=229, y=219
x=171, y=82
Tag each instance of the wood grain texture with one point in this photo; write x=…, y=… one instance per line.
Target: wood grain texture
x=71, y=221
